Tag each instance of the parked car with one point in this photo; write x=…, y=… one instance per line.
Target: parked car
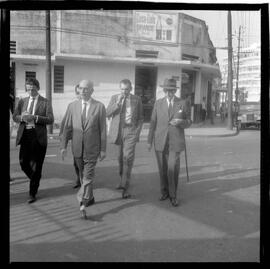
x=250, y=115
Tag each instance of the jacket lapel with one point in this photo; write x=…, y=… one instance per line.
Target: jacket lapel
x=78, y=112
x=90, y=112
x=132, y=104
x=25, y=104
x=39, y=103
x=164, y=107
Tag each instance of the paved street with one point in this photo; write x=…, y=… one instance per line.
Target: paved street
x=217, y=220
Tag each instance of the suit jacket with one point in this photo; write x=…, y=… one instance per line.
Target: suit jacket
x=160, y=129
x=113, y=111
x=89, y=142
x=45, y=116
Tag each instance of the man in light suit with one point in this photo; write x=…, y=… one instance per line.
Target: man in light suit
x=126, y=112
x=78, y=180
x=86, y=126
x=33, y=113
x=170, y=116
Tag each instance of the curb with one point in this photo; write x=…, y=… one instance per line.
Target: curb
x=214, y=135
x=54, y=137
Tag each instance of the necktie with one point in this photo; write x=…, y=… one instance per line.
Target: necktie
x=84, y=114
x=31, y=106
x=170, y=111
x=123, y=110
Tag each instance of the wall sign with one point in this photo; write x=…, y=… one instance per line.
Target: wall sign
x=155, y=26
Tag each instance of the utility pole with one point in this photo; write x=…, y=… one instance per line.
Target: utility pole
x=230, y=84
x=237, y=71
x=48, y=64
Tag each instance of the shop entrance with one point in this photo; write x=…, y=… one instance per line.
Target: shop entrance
x=145, y=87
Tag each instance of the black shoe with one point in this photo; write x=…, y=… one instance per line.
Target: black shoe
x=78, y=185
x=91, y=202
x=31, y=199
x=174, y=202
x=126, y=195
x=119, y=187
x=163, y=197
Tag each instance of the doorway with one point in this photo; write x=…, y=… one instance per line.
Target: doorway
x=145, y=87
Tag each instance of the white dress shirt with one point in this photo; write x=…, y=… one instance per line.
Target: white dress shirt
x=87, y=105
x=35, y=103
x=128, y=110
x=168, y=101
x=31, y=124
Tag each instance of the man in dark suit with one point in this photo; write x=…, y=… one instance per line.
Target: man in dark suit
x=33, y=113
x=170, y=116
x=126, y=112
x=86, y=126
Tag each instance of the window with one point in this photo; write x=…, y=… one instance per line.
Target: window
x=58, y=79
x=12, y=47
x=146, y=54
x=29, y=74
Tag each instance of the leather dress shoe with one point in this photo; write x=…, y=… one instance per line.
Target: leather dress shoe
x=174, y=202
x=163, y=197
x=31, y=199
x=125, y=194
x=83, y=212
x=91, y=202
x=77, y=185
x=119, y=187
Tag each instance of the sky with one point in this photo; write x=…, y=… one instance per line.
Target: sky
x=217, y=27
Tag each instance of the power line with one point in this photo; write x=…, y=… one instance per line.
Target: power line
x=117, y=37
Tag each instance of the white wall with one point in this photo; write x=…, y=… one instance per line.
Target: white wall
x=106, y=78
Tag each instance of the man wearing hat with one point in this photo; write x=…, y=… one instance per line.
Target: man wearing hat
x=85, y=125
x=170, y=116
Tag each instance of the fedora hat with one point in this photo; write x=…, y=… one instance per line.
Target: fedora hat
x=169, y=84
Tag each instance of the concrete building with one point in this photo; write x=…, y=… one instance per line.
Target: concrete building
x=107, y=46
x=249, y=82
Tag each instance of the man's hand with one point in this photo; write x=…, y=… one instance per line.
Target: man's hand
x=29, y=118
x=26, y=117
x=149, y=146
x=102, y=155
x=63, y=154
x=176, y=122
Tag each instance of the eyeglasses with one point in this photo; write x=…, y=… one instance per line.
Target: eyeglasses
x=83, y=88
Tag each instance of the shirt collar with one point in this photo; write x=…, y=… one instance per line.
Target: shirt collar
x=35, y=98
x=87, y=102
x=172, y=100
x=128, y=97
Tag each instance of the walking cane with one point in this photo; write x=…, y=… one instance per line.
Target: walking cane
x=186, y=161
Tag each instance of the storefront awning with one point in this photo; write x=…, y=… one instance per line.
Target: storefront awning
x=211, y=70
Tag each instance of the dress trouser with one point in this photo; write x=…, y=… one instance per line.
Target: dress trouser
x=31, y=157
x=169, y=167
x=87, y=173
x=127, y=143
x=78, y=180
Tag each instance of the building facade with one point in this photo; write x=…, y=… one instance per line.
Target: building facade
x=249, y=81
x=107, y=46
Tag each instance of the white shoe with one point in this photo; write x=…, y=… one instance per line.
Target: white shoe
x=83, y=211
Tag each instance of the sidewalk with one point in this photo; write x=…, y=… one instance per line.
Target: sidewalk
x=218, y=129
